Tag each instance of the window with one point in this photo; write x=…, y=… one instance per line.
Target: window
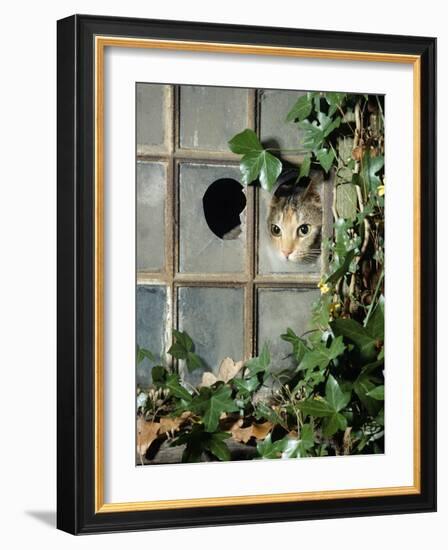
x=202, y=262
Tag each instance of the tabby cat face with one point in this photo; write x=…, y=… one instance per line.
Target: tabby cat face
x=294, y=223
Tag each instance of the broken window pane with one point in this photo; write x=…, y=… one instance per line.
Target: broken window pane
x=213, y=317
x=201, y=249
x=150, y=319
x=151, y=196
x=211, y=116
x=278, y=309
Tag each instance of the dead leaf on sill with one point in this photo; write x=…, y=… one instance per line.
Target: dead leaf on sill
x=170, y=425
x=228, y=369
x=258, y=431
x=146, y=434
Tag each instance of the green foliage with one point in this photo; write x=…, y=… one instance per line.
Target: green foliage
x=366, y=341
x=321, y=355
x=301, y=109
x=257, y=162
x=198, y=441
x=177, y=390
x=287, y=446
x=211, y=403
x=143, y=353
x=183, y=348
x=259, y=364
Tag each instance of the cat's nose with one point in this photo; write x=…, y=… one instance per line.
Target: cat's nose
x=286, y=253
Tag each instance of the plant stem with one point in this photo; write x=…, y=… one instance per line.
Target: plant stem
x=372, y=304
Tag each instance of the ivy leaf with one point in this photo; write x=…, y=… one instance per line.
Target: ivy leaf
x=143, y=353
x=325, y=157
x=211, y=404
x=335, y=396
x=181, y=345
x=301, y=109
x=262, y=165
x=321, y=355
x=260, y=363
x=272, y=449
x=193, y=361
x=264, y=412
x=364, y=384
x=334, y=423
x=299, y=347
x=351, y=329
x=304, y=168
x=159, y=375
x=175, y=387
x=316, y=407
x=245, y=142
x=377, y=393
x=246, y=386
x=375, y=325
x=183, y=348
x=369, y=168
x=197, y=440
x=215, y=444
x=334, y=100
x=306, y=441
x=341, y=271
x=313, y=135
x=331, y=125
x=315, y=132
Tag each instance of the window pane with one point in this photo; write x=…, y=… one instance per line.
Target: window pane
x=150, y=319
x=274, y=130
x=201, y=250
x=213, y=317
x=210, y=116
x=279, y=309
x=151, y=192
x=270, y=259
x=153, y=114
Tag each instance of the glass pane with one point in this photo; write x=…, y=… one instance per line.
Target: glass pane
x=201, y=249
x=279, y=309
x=151, y=193
x=274, y=130
x=153, y=114
x=210, y=116
x=271, y=259
x=213, y=317
x=150, y=321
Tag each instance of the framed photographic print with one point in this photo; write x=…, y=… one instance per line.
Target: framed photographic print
x=246, y=274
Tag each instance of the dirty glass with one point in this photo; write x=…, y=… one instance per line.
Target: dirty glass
x=151, y=196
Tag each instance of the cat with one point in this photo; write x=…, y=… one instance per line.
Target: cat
x=294, y=221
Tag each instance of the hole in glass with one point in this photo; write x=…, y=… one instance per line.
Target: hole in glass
x=223, y=203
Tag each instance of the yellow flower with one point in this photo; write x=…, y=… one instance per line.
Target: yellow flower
x=381, y=190
x=324, y=288
x=335, y=308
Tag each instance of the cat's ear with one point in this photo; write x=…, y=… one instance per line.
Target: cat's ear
x=312, y=192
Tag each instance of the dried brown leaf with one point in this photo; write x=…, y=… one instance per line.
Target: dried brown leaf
x=208, y=379
x=146, y=434
x=228, y=369
x=170, y=425
x=259, y=431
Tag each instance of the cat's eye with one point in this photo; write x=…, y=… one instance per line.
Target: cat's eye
x=304, y=229
x=275, y=230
